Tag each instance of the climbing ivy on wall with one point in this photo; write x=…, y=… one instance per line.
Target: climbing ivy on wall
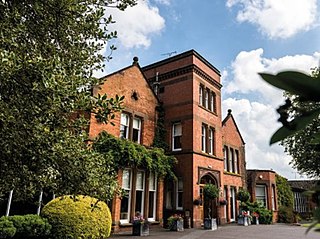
x=285, y=195
x=159, y=140
x=126, y=153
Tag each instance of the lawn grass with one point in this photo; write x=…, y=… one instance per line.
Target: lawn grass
x=308, y=224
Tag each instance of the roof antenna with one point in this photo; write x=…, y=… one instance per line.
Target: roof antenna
x=168, y=54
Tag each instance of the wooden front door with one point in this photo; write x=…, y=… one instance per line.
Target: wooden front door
x=209, y=207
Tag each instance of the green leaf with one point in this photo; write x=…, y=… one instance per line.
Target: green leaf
x=296, y=83
x=299, y=123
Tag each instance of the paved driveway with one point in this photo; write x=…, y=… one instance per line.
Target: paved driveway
x=277, y=231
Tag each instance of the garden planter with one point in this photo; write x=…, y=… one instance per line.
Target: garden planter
x=255, y=220
x=176, y=225
x=140, y=229
x=210, y=224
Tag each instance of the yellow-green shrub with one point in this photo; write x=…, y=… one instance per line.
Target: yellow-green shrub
x=78, y=217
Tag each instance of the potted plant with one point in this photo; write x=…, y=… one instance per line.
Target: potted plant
x=243, y=195
x=197, y=202
x=255, y=218
x=140, y=226
x=210, y=192
x=223, y=202
x=175, y=223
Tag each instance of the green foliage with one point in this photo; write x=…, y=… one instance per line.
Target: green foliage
x=300, y=135
x=30, y=226
x=78, y=217
x=285, y=200
x=285, y=214
x=284, y=192
x=48, y=53
x=265, y=215
x=243, y=195
x=7, y=230
x=126, y=153
x=210, y=191
x=159, y=140
x=307, y=88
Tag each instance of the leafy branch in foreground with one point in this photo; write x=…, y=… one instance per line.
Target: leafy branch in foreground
x=300, y=133
x=307, y=91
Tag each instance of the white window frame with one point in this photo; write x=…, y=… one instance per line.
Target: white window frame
x=206, y=99
x=273, y=198
x=124, y=123
x=203, y=138
x=201, y=95
x=169, y=195
x=233, y=194
x=179, y=189
x=236, y=161
x=137, y=128
x=212, y=101
x=154, y=190
x=231, y=161
x=259, y=197
x=176, y=134
x=141, y=190
x=129, y=190
x=211, y=140
x=226, y=158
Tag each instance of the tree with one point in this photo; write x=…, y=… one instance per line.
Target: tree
x=49, y=50
x=302, y=115
x=300, y=134
x=285, y=199
x=301, y=145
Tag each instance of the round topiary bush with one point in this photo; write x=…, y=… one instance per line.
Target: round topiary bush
x=78, y=217
x=243, y=195
x=210, y=191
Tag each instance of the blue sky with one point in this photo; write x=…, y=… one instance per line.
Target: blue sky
x=240, y=38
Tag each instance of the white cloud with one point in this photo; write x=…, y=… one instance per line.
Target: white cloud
x=136, y=25
x=257, y=123
x=277, y=18
x=164, y=2
x=248, y=64
x=257, y=119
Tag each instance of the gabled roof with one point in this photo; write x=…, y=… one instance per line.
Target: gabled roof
x=230, y=117
x=135, y=63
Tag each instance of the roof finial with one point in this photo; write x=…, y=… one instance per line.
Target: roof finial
x=229, y=111
x=135, y=60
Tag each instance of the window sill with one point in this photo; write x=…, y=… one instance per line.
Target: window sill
x=206, y=109
x=129, y=224
x=176, y=150
x=232, y=174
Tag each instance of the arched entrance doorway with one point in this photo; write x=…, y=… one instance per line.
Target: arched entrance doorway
x=209, y=207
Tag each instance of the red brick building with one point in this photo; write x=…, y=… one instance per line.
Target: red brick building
x=262, y=187
x=136, y=122
x=208, y=149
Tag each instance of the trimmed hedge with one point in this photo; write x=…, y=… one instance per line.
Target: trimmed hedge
x=30, y=226
x=7, y=230
x=78, y=217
